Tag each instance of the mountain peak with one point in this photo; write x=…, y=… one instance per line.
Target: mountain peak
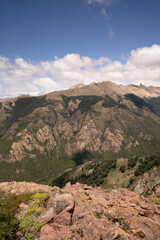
x=79, y=85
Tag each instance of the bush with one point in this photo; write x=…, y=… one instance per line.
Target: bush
x=132, y=162
x=122, y=169
x=131, y=180
x=9, y=205
x=156, y=200
x=147, y=164
x=28, y=223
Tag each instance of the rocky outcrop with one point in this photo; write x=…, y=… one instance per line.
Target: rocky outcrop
x=147, y=182
x=82, y=212
x=112, y=141
x=89, y=137
x=45, y=135
x=28, y=143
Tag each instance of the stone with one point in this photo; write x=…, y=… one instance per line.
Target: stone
x=47, y=233
x=47, y=216
x=64, y=203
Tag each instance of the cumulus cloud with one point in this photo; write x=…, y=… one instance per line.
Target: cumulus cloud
x=22, y=77
x=143, y=65
x=143, y=57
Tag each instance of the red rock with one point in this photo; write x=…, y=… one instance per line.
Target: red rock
x=47, y=216
x=47, y=233
x=63, y=219
x=120, y=214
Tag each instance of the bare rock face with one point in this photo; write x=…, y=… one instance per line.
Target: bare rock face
x=82, y=212
x=27, y=142
x=146, y=182
x=45, y=135
x=89, y=137
x=112, y=141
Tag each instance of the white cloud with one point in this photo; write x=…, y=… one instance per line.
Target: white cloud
x=4, y=63
x=146, y=57
x=102, y=2
x=22, y=77
x=143, y=65
x=111, y=34
x=104, y=13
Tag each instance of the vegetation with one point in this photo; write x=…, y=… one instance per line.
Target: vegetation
x=155, y=102
x=110, y=102
x=132, y=162
x=81, y=156
x=122, y=169
x=35, y=169
x=139, y=102
x=9, y=204
x=147, y=163
x=86, y=102
x=23, y=107
x=156, y=200
x=96, y=172
x=28, y=222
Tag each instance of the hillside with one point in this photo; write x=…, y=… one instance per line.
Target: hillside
x=76, y=212
x=40, y=137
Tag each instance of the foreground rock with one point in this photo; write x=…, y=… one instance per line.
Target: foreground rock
x=82, y=212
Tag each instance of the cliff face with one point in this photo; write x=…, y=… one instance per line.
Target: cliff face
x=42, y=132
x=81, y=212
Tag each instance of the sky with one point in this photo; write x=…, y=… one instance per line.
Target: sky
x=49, y=45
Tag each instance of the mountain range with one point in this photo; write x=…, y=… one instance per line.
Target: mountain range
x=40, y=137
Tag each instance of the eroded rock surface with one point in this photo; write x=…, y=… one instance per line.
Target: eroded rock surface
x=82, y=212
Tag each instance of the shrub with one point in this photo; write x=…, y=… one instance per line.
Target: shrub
x=156, y=200
x=9, y=204
x=131, y=180
x=28, y=222
x=122, y=169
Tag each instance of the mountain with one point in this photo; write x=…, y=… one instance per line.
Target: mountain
x=32, y=211
x=40, y=137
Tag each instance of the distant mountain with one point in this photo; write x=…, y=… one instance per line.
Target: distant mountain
x=43, y=136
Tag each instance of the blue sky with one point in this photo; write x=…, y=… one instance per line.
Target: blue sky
x=48, y=45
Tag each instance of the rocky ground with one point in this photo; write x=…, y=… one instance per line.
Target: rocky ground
x=92, y=213
x=23, y=187
x=81, y=212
